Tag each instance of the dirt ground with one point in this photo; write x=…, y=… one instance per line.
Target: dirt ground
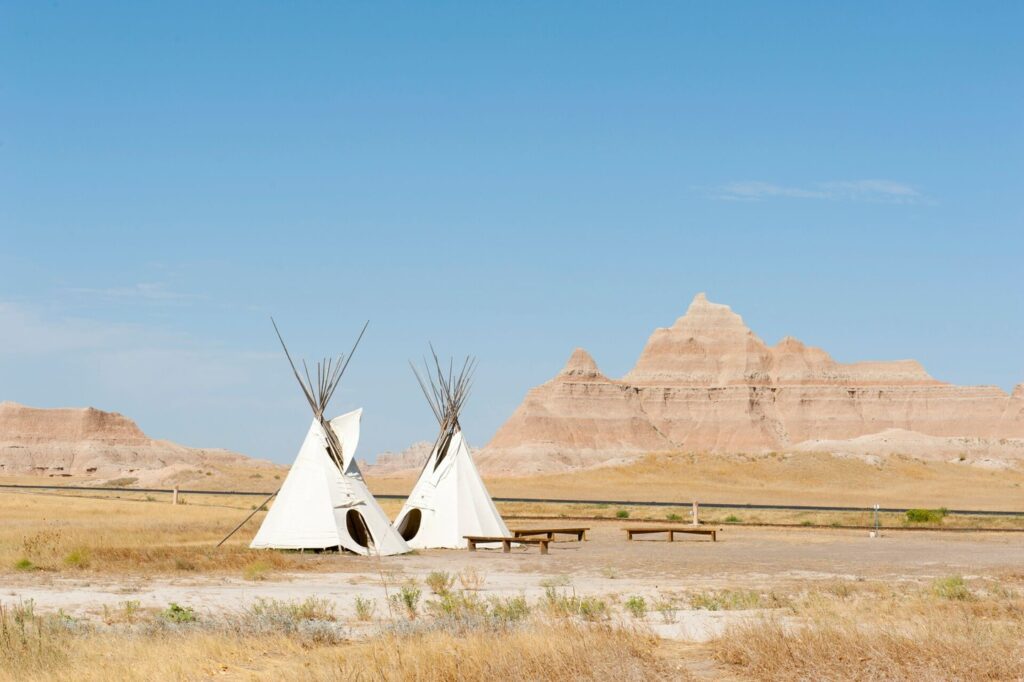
x=605, y=565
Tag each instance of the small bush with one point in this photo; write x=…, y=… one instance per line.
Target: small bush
x=953, y=588
x=365, y=608
x=637, y=606
x=510, y=610
x=130, y=610
x=24, y=564
x=440, y=582
x=292, y=612
x=121, y=482
x=726, y=600
x=183, y=564
x=408, y=598
x=622, y=514
x=674, y=517
x=667, y=609
x=926, y=515
x=593, y=608
x=77, y=558
x=472, y=579
x=732, y=518
x=610, y=572
x=806, y=522
x=176, y=613
x=256, y=570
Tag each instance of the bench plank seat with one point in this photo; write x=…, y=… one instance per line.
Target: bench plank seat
x=671, y=530
x=580, y=533
x=506, y=542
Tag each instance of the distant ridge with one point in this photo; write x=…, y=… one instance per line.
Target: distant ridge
x=709, y=384
x=91, y=443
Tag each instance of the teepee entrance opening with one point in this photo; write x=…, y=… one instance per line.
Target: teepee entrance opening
x=356, y=525
x=410, y=524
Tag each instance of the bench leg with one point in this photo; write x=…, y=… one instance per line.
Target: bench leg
x=714, y=536
x=671, y=536
x=472, y=545
x=550, y=535
x=506, y=546
x=543, y=548
x=629, y=535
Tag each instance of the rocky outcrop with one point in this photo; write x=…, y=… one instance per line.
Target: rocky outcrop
x=709, y=384
x=94, y=443
x=409, y=460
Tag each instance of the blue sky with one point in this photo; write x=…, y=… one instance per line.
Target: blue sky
x=510, y=180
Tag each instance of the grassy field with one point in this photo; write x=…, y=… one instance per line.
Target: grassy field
x=949, y=628
x=806, y=478
x=600, y=613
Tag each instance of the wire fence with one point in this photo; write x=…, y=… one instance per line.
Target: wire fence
x=542, y=500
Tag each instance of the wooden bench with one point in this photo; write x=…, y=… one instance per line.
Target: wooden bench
x=672, y=530
x=506, y=543
x=580, y=533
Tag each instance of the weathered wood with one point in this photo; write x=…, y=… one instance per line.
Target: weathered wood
x=580, y=533
x=671, y=530
x=506, y=542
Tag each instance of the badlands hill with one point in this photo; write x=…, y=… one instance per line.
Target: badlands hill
x=103, y=446
x=709, y=384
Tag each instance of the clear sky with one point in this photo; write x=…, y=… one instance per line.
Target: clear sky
x=510, y=180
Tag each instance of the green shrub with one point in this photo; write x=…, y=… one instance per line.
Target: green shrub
x=440, y=582
x=953, y=588
x=732, y=518
x=179, y=614
x=256, y=570
x=24, y=564
x=926, y=515
x=511, y=609
x=77, y=558
x=674, y=517
x=408, y=597
x=592, y=608
x=637, y=606
x=365, y=608
x=622, y=514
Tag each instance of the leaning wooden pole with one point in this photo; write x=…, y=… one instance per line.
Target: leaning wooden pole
x=260, y=506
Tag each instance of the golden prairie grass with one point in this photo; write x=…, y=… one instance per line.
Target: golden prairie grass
x=945, y=630
x=62, y=534
x=300, y=641
x=801, y=478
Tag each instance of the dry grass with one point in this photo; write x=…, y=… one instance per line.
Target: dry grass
x=804, y=478
x=53, y=534
x=856, y=631
x=301, y=641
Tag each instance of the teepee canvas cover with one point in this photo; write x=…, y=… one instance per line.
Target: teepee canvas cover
x=449, y=501
x=324, y=501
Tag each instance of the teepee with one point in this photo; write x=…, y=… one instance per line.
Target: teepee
x=449, y=500
x=324, y=502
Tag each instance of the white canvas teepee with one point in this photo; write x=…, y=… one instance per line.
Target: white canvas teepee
x=449, y=501
x=324, y=501
x=321, y=506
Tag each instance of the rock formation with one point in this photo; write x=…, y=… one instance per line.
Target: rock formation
x=709, y=384
x=407, y=461
x=89, y=442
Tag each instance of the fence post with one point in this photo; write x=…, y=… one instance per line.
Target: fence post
x=174, y=495
x=694, y=520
